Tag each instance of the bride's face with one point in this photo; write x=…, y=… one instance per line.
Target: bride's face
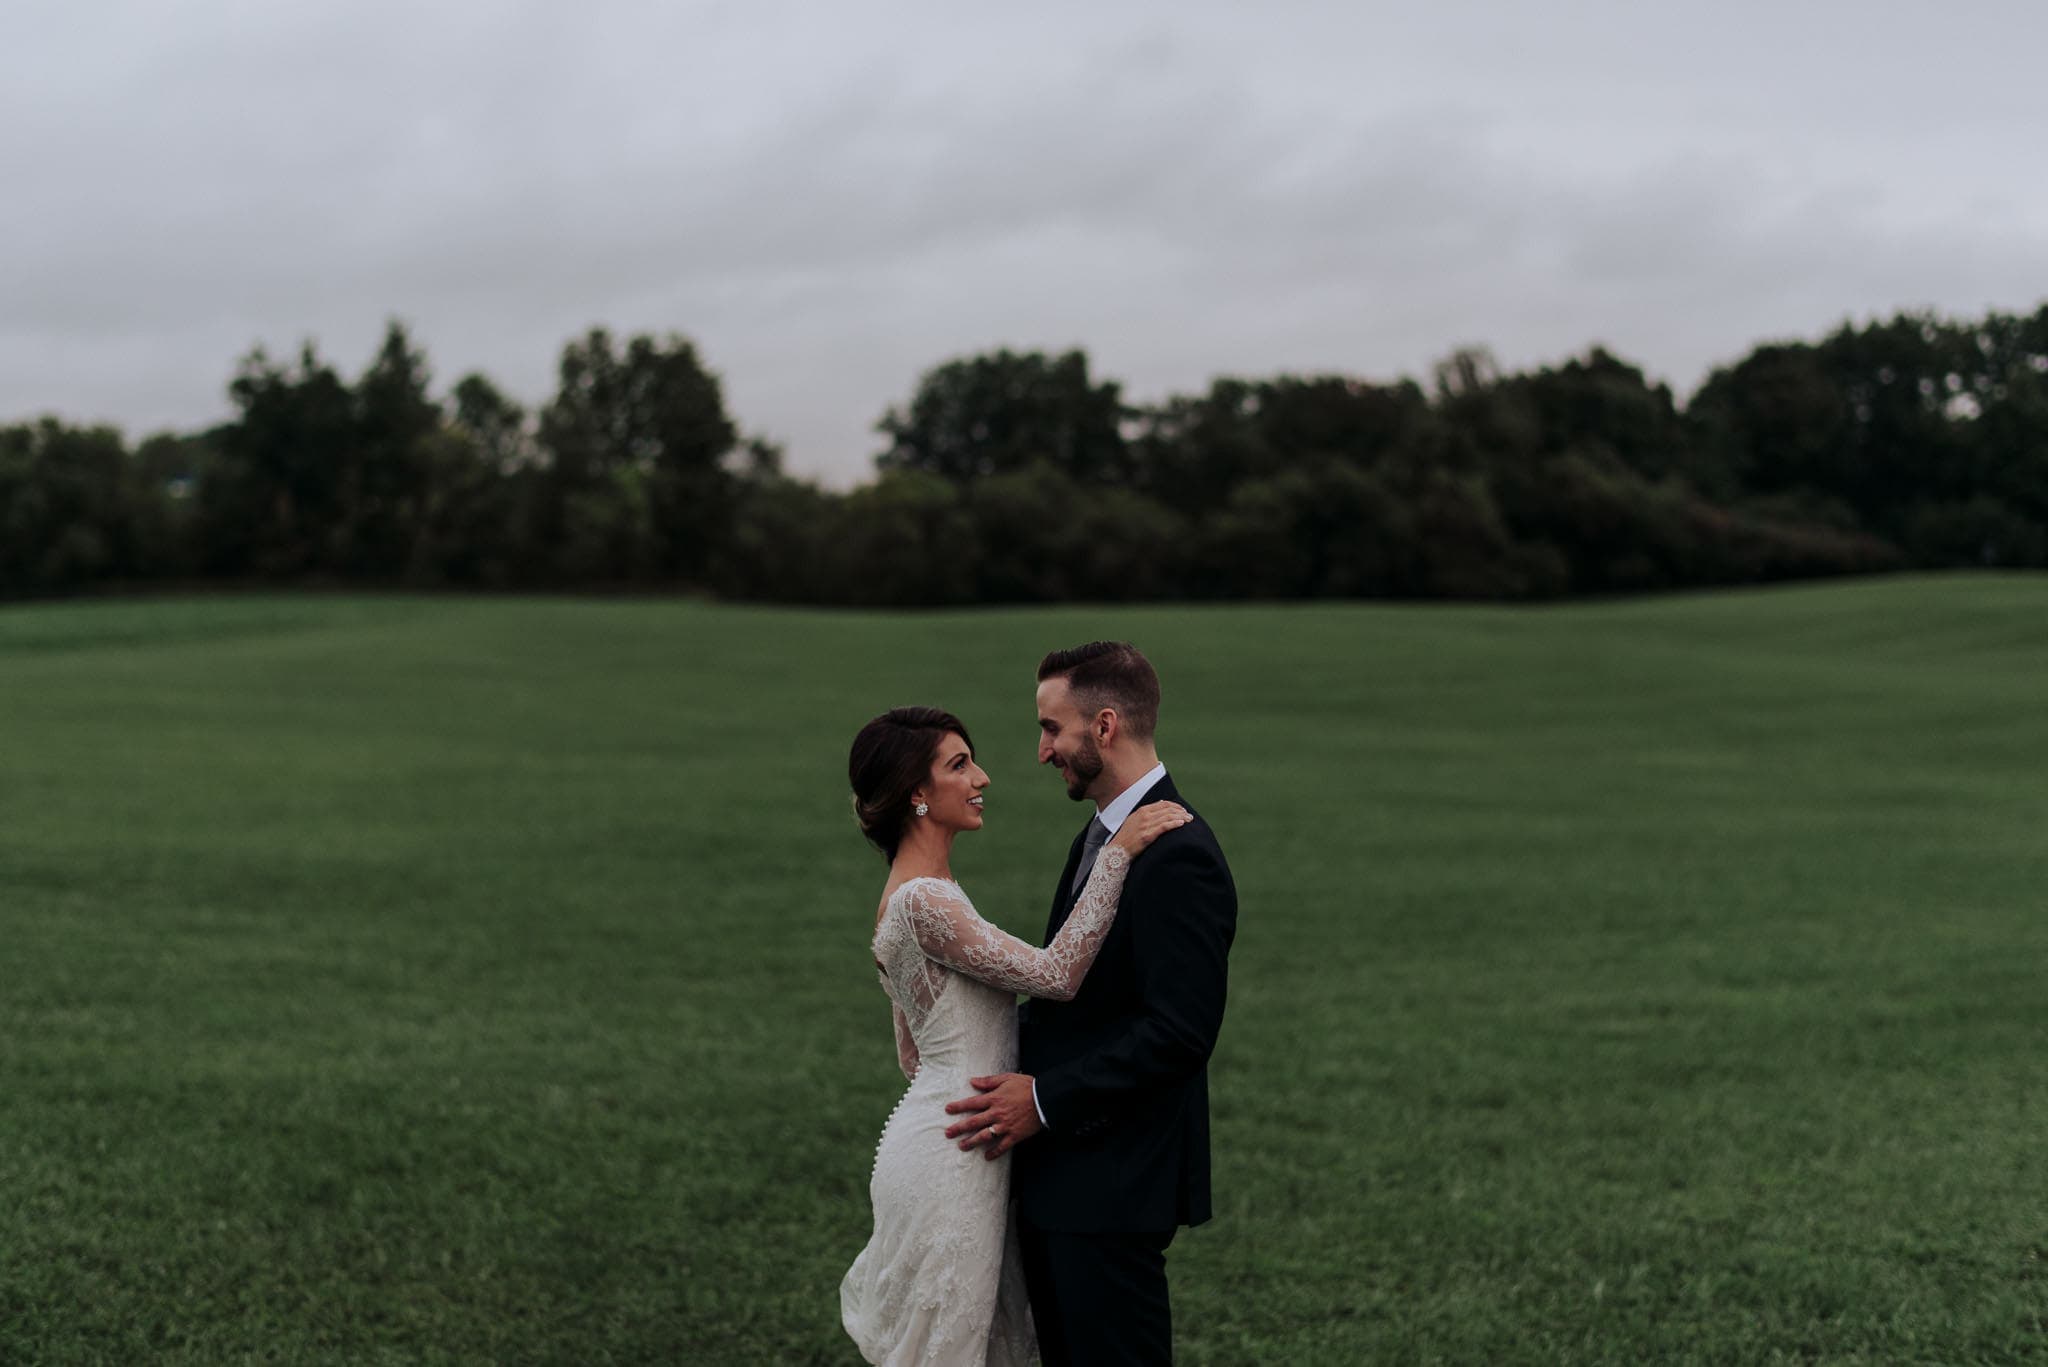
x=954, y=789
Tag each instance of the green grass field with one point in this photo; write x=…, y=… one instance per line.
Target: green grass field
x=444, y=980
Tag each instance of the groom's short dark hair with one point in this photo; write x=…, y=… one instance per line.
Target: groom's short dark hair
x=1112, y=674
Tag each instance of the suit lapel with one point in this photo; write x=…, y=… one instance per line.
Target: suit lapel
x=1061, y=902
x=1064, y=898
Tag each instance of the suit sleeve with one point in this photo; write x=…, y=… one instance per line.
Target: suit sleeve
x=1183, y=915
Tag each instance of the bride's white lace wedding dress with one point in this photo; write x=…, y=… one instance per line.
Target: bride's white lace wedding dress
x=939, y=1282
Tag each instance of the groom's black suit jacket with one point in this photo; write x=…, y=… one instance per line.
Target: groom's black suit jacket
x=1122, y=1069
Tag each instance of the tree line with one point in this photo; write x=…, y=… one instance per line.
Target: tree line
x=1012, y=477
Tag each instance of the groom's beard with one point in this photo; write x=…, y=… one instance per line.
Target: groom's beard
x=1083, y=769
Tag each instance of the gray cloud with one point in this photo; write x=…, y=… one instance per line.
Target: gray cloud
x=832, y=201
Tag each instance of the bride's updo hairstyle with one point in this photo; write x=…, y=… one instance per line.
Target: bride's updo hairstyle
x=891, y=756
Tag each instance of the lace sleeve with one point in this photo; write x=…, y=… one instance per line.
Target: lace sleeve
x=906, y=1046
x=949, y=929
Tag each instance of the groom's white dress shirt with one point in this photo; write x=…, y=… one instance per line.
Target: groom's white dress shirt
x=1112, y=817
x=1127, y=801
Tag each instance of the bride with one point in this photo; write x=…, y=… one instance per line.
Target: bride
x=939, y=1281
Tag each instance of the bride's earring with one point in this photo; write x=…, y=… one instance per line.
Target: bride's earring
x=921, y=808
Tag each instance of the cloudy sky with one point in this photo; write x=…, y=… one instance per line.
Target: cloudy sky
x=832, y=198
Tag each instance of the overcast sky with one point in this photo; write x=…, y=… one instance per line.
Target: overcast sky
x=832, y=198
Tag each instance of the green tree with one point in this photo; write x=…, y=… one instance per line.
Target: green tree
x=1929, y=433
x=66, y=507
x=1004, y=411
x=781, y=546
x=317, y=477
x=1602, y=403
x=2002, y=403
x=167, y=469
x=273, y=499
x=389, y=489
x=636, y=443
x=1192, y=453
x=905, y=540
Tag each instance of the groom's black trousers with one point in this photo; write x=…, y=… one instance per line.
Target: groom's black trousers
x=1098, y=1298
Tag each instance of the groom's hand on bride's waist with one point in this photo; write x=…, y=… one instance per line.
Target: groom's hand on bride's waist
x=998, y=1118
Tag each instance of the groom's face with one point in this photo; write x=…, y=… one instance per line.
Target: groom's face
x=1065, y=739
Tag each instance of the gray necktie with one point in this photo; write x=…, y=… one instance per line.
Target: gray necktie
x=1098, y=836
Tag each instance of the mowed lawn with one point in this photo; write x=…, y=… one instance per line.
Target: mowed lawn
x=451, y=980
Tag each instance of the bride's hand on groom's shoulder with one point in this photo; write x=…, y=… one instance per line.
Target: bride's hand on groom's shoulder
x=1148, y=823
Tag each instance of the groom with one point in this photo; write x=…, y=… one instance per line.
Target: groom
x=1112, y=1105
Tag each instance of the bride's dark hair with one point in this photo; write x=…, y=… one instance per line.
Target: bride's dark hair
x=891, y=756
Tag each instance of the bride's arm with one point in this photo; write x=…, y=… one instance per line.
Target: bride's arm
x=906, y=1046
x=949, y=929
